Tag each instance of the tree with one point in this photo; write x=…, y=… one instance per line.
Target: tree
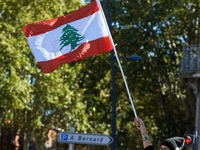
x=30, y=100
x=70, y=36
x=155, y=30
x=79, y=94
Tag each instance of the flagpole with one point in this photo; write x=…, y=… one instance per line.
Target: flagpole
x=117, y=59
x=114, y=95
x=125, y=82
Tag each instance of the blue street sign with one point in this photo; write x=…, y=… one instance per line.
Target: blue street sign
x=81, y=138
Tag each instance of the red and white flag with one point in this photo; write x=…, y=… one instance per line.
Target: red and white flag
x=75, y=36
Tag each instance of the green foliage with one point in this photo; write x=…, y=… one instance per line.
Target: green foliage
x=155, y=30
x=79, y=94
x=30, y=100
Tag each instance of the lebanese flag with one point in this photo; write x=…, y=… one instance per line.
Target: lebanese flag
x=75, y=36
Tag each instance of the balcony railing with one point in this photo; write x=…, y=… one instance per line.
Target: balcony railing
x=190, y=65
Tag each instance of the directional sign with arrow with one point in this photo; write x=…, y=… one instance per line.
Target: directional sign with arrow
x=81, y=138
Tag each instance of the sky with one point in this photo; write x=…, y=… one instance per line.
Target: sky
x=83, y=1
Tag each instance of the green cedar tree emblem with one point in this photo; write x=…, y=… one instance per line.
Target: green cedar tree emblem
x=70, y=36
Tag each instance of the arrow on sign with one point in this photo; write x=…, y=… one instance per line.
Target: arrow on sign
x=81, y=138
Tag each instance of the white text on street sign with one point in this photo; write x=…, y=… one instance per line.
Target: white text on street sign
x=88, y=139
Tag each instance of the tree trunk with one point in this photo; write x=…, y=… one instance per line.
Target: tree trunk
x=27, y=138
x=1, y=119
x=92, y=147
x=39, y=139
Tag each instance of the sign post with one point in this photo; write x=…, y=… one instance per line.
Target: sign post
x=71, y=146
x=81, y=138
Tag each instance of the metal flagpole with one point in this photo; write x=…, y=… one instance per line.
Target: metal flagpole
x=117, y=59
x=125, y=82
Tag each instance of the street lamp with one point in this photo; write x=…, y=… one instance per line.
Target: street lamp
x=135, y=57
x=114, y=97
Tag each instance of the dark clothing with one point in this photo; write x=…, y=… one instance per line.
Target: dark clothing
x=149, y=148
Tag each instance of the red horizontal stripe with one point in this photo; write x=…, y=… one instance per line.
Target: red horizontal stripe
x=48, y=25
x=85, y=50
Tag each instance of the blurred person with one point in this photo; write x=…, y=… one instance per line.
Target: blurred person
x=175, y=143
